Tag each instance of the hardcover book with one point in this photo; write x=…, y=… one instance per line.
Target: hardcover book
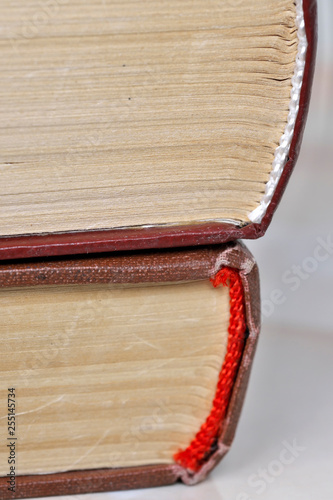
x=123, y=370
x=129, y=125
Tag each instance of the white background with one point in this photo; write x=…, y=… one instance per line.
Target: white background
x=290, y=395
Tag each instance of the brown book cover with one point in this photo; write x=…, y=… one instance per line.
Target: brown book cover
x=37, y=241
x=226, y=273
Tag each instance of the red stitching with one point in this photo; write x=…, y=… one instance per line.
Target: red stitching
x=201, y=446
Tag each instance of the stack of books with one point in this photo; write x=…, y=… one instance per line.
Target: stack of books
x=139, y=141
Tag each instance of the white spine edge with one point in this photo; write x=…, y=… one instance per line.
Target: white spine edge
x=282, y=151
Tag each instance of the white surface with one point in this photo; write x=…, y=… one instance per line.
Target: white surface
x=290, y=393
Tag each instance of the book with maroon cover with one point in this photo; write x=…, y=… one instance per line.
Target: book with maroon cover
x=123, y=370
x=176, y=125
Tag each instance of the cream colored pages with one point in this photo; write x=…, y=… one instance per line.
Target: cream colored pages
x=128, y=113
x=108, y=376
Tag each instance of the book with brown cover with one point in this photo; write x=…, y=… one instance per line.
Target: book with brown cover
x=124, y=133
x=123, y=370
